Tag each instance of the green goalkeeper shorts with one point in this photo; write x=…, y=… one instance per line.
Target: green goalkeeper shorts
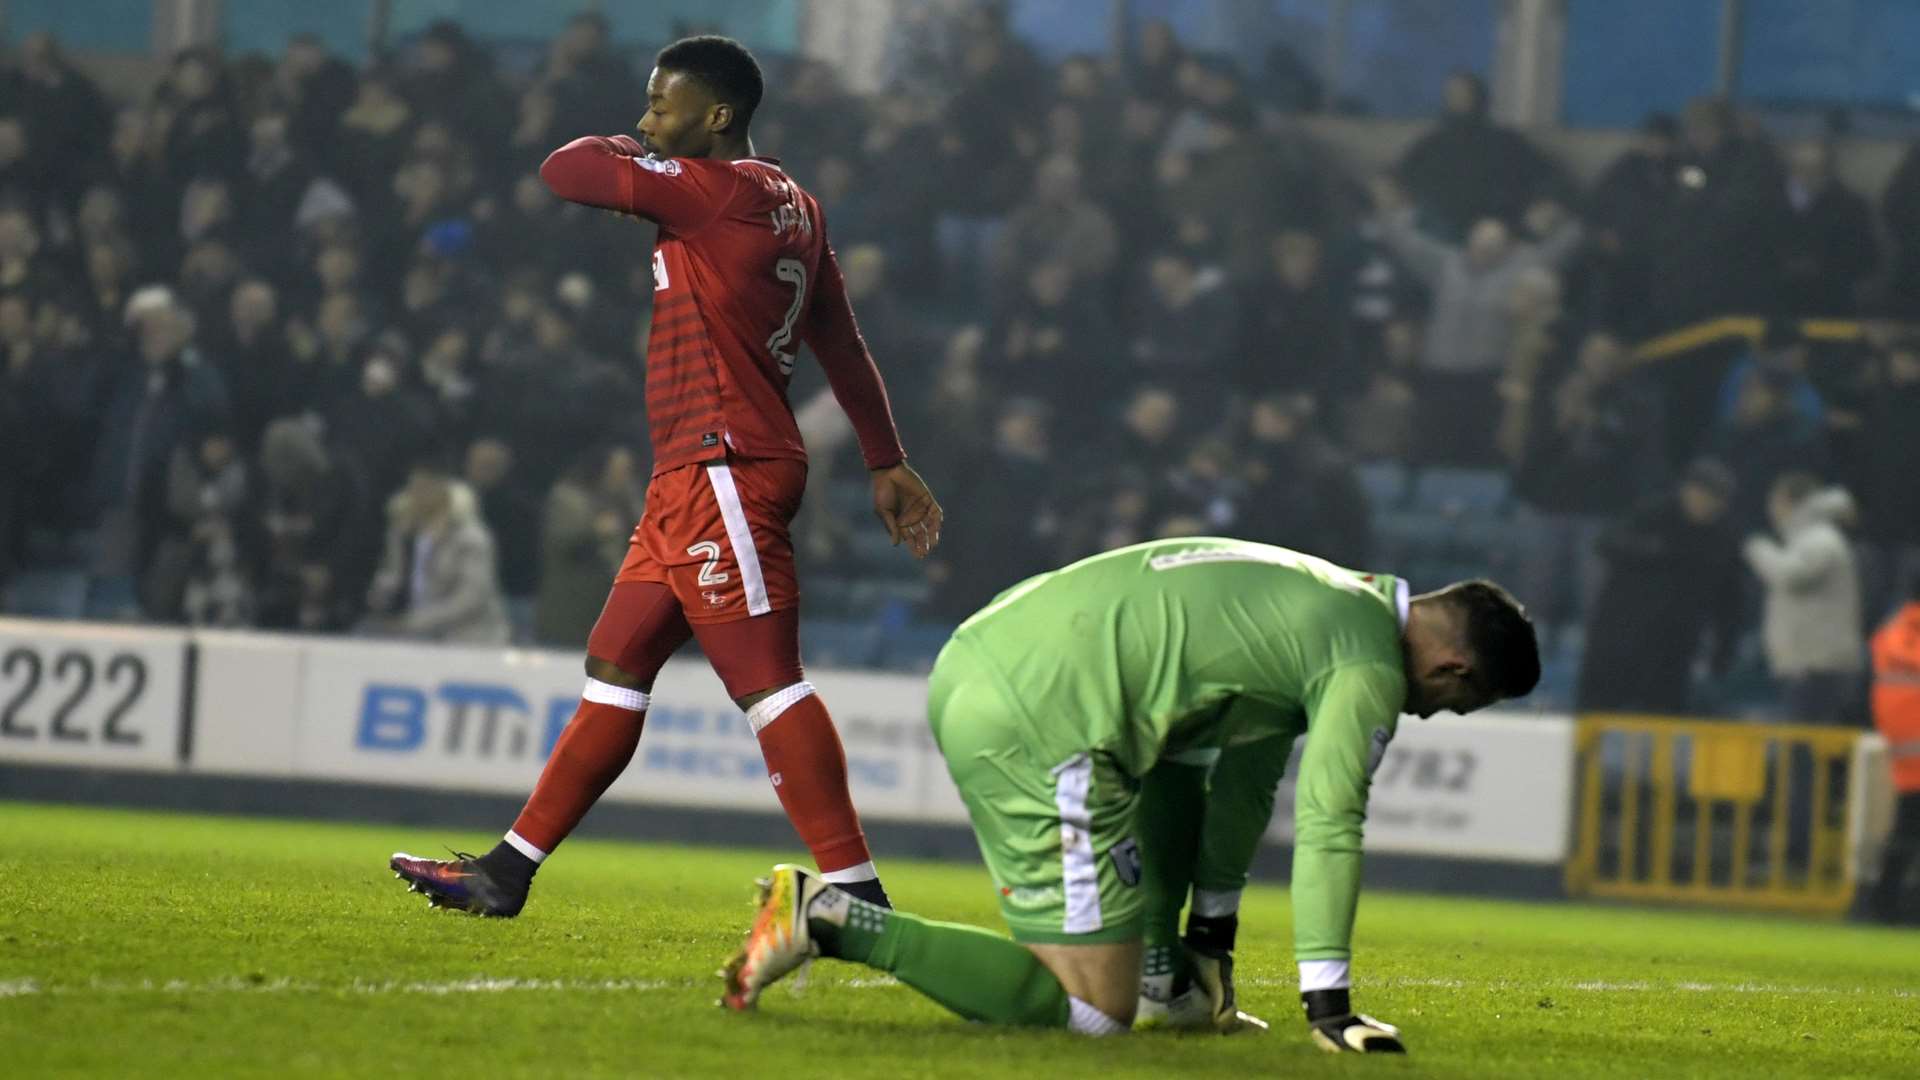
x=1057, y=835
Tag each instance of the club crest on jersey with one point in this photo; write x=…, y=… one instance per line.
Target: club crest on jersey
x=663, y=166
x=1378, y=751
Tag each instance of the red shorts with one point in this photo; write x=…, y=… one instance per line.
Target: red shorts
x=716, y=534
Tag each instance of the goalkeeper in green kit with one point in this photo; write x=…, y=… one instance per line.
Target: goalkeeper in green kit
x=1116, y=729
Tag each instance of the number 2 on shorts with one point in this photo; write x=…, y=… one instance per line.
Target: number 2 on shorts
x=710, y=551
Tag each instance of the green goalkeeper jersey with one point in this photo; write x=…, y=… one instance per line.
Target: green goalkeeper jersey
x=1197, y=644
x=1140, y=652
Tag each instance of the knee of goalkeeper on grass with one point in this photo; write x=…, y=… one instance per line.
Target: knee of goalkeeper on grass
x=1116, y=730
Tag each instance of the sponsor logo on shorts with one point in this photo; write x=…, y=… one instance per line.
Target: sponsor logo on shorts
x=714, y=598
x=1023, y=897
x=1126, y=861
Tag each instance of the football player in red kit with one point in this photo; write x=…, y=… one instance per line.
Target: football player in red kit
x=742, y=276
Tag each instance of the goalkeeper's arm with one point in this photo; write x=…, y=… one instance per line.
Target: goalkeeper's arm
x=1352, y=712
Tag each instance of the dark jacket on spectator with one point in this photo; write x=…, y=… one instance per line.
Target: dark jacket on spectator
x=1670, y=584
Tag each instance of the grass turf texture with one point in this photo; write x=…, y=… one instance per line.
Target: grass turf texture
x=163, y=945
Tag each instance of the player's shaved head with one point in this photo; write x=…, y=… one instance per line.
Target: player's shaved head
x=1495, y=627
x=1468, y=646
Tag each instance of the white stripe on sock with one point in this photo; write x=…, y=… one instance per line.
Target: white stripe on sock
x=858, y=872
x=768, y=709
x=1324, y=975
x=1080, y=875
x=1215, y=903
x=520, y=844
x=622, y=697
x=740, y=536
x=1084, y=1019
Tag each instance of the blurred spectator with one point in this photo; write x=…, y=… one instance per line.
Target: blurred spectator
x=64, y=113
x=199, y=572
x=26, y=267
x=1154, y=65
x=375, y=132
x=1470, y=332
x=451, y=81
x=1890, y=459
x=1781, y=355
x=512, y=514
x=1716, y=250
x=1379, y=423
x=318, y=528
x=589, y=515
x=197, y=119
x=1058, y=223
x=438, y=580
x=1594, y=440
x=1812, y=624
x=380, y=418
x=1468, y=169
x=1900, y=209
x=253, y=361
x=1206, y=489
x=1829, y=246
x=1186, y=324
x=1896, y=713
x=1296, y=338
x=1302, y=492
x=1673, y=585
x=158, y=396
x=1628, y=202
x=277, y=177
x=1763, y=438
x=318, y=88
x=1011, y=491
x=594, y=91
x=1057, y=340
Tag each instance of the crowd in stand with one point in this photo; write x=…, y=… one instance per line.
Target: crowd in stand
x=296, y=344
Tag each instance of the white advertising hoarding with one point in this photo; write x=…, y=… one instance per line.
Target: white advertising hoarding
x=486, y=719
x=1488, y=786
x=89, y=694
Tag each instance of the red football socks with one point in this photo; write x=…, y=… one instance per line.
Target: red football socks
x=808, y=767
x=594, y=749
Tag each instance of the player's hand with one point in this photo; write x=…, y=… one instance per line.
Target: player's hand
x=1337, y=1029
x=904, y=505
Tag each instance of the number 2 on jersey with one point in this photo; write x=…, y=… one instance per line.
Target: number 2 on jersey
x=793, y=272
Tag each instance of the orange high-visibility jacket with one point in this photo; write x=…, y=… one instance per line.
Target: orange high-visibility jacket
x=1896, y=694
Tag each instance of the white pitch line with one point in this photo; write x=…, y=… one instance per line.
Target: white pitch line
x=1602, y=986
x=479, y=985
x=28, y=987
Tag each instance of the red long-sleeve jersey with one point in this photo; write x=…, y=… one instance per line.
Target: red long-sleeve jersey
x=742, y=275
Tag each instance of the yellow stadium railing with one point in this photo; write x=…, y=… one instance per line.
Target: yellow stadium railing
x=1683, y=810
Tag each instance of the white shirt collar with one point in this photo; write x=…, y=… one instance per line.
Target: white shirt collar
x=1402, y=601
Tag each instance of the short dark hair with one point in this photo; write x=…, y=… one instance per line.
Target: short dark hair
x=723, y=65
x=1506, y=657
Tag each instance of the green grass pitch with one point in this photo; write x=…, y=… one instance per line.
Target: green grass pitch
x=136, y=944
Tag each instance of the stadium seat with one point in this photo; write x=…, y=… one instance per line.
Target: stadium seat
x=1462, y=491
x=1385, y=483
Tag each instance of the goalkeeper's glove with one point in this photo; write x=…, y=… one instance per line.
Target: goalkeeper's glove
x=1209, y=946
x=1338, y=1029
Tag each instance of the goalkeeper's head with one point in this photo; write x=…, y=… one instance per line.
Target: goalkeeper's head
x=1468, y=646
x=700, y=99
